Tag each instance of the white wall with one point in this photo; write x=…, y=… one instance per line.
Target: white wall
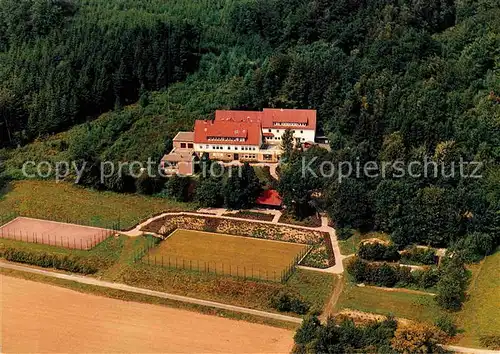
x=306, y=135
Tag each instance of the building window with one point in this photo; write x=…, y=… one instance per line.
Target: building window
x=213, y=147
x=303, y=139
x=207, y=147
x=236, y=148
x=301, y=132
x=183, y=145
x=190, y=146
x=229, y=147
x=270, y=130
x=277, y=130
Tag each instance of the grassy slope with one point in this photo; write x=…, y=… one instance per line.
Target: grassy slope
x=66, y=202
x=350, y=245
x=411, y=306
x=480, y=315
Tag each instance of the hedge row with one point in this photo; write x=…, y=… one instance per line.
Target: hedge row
x=415, y=255
x=49, y=260
x=389, y=275
x=378, y=252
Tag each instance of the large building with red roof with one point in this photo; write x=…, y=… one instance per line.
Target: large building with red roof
x=247, y=136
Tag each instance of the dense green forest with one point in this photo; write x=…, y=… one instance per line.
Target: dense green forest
x=391, y=80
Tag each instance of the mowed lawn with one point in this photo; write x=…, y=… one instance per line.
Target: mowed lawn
x=480, y=315
x=417, y=307
x=231, y=255
x=69, y=203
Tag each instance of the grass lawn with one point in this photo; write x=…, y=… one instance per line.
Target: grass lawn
x=226, y=254
x=480, y=315
x=410, y=306
x=67, y=202
x=350, y=245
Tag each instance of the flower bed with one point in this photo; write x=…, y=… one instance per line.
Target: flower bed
x=251, y=215
x=235, y=227
x=311, y=221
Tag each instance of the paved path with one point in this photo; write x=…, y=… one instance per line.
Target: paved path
x=338, y=268
x=457, y=349
x=133, y=289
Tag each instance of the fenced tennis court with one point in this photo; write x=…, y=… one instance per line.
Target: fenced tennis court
x=54, y=233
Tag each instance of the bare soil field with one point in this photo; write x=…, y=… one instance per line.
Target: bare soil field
x=37, y=317
x=54, y=233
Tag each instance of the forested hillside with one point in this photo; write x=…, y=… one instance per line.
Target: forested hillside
x=391, y=79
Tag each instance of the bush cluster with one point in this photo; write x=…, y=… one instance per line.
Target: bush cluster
x=378, y=252
x=49, y=260
x=475, y=246
x=284, y=301
x=426, y=256
x=344, y=233
x=344, y=336
x=389, y=275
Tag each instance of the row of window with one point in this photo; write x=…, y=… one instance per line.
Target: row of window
x=279, y=138
x=249, y=156
x=294, y=131
x=243, y=148
x=189, y=145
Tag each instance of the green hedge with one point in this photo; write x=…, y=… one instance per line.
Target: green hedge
x=49, y=260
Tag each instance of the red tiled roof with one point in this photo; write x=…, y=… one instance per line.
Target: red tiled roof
x=302, y=116
x=239, y=116
x=268, y=135
x=270, y=197
x=205, y=129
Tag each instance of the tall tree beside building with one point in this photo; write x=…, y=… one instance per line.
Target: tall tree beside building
x=287, y=143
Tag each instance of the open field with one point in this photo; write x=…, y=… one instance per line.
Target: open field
x=480, y=315
x=226, y=254
x=42, y=318
x=69, y=203
x=350, y=246
x=54, y=233
x=401, y=304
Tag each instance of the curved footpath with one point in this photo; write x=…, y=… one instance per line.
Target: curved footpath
x=338, y=268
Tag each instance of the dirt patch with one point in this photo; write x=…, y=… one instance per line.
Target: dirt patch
x=363, y=318
x=54, y=233
x=374, y=240
x=43, y=318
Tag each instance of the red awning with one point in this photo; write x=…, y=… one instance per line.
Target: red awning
x=270, y=197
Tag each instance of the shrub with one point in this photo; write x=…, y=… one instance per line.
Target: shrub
x=452, y=284
x=426, y=278
x=148, y=185
x=308, y=330
x=425, y=256
x=284, y=301
x=417, y=338
x=476, y=246
x=445, y=323
x=378, y=252
x=344, y=233
x=47, y=260
x=357, y=268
